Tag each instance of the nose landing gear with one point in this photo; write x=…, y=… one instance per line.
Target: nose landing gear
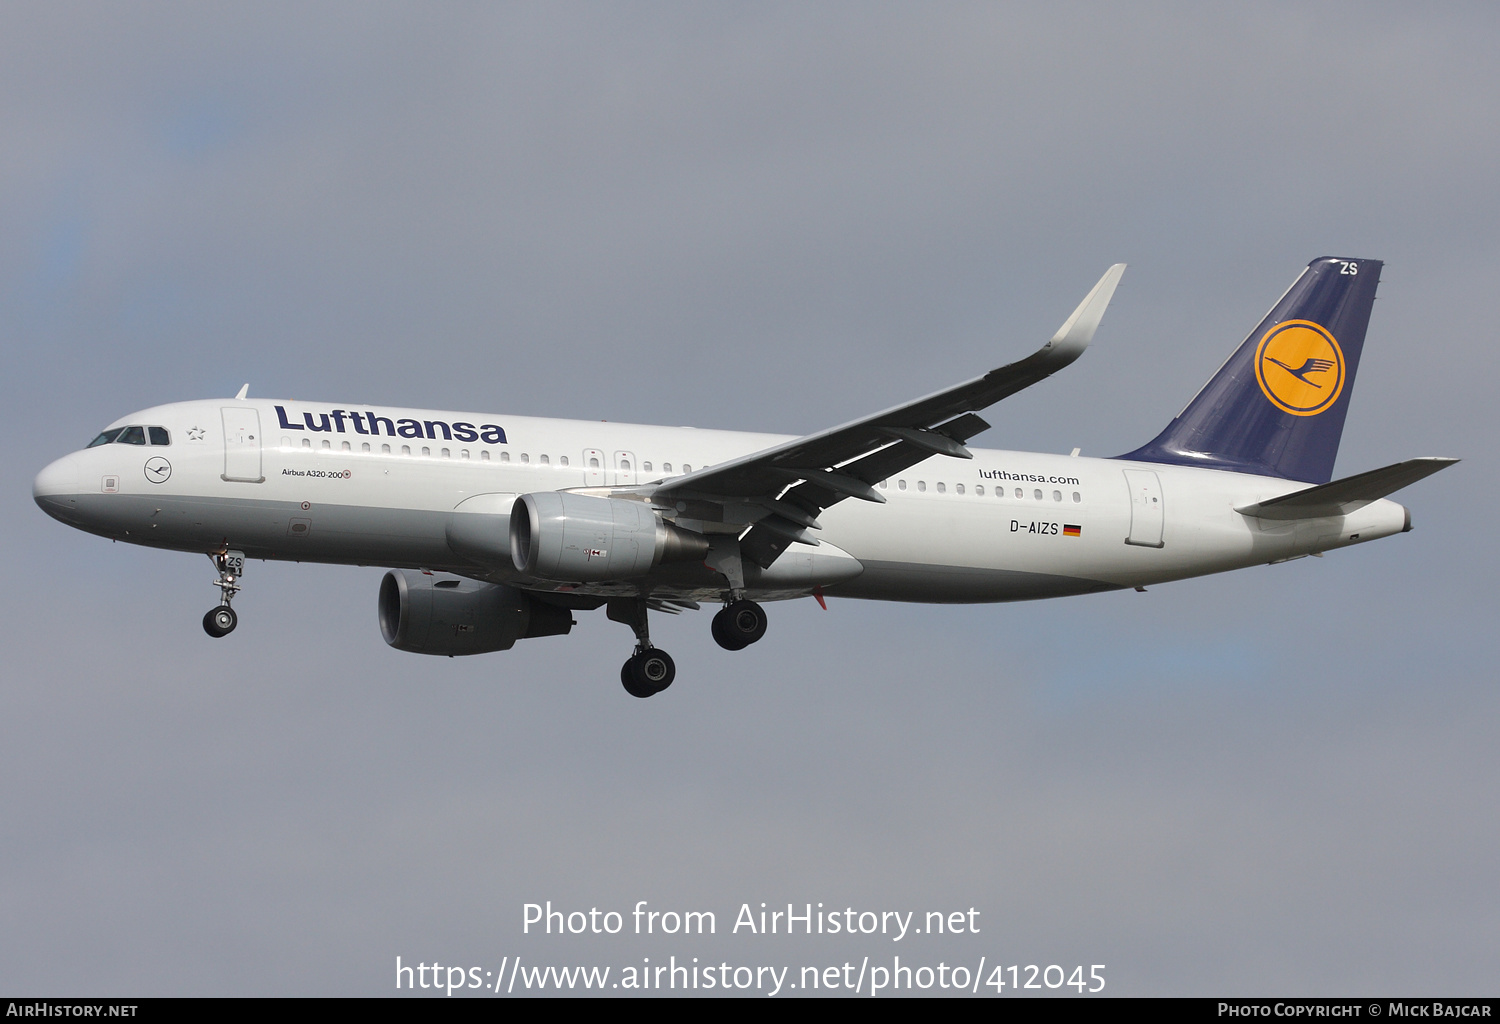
x=221, y=621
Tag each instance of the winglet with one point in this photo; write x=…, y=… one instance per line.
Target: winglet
x=1078, y=330
x=245, y=389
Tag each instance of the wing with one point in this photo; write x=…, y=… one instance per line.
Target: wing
x=780, y=491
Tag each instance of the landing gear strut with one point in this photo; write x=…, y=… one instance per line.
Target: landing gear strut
x=221, y=621
x=739, y=624
x=649, y=670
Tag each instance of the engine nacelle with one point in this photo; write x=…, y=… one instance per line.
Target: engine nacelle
x=555, y=535
x=447, y=615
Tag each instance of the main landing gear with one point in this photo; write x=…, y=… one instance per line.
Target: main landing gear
x=221, y=621
x=649, y=670
x=739, y=624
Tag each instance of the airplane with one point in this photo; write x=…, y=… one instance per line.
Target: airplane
x=500, y=528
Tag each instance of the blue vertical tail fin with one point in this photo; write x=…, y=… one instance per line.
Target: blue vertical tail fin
x=1277, y=407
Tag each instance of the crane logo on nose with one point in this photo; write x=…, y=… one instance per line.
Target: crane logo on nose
x=1300, y=367
x=158, y=469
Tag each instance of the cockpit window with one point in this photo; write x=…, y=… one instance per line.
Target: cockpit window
x=133, y=435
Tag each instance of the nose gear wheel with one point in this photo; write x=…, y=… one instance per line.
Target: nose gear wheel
x=220, y=621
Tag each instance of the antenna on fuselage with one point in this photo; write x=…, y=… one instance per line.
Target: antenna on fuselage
x=244, y=390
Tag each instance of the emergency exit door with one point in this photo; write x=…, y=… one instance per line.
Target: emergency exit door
x=625, y=469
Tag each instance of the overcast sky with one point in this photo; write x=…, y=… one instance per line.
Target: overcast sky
x=765, y=217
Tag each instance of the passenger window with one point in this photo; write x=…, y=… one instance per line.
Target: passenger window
x=406, y=449
x=979, y=489
x=1020, y=493
x=959, y=488
x=464, y=454
x=132, y=435
x=505, y=456
x=593, y=463
x=942, y=488
x=921, y=485
x=107, y=437
x=327, y=446
x=159, y=435
x=686, y=468
x=484, y=456
x=1038, y=494
x=365, y=447
x=1077, y=497
x=900, y=485
x=645, y=467
x=426, y=451
x=385, y=449
x=307, y=442
x=562, y=460
x=447, y=454
x=346, y=447
x=525, y=458
x=546, y=461
x=666, y=467
x=624, y=465
x=1057, y=495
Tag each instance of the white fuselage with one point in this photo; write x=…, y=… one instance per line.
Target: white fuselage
x=385, y=487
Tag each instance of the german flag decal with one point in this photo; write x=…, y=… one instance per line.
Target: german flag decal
x=1069, y=530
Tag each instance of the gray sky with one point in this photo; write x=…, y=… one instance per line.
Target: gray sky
x=770, y=217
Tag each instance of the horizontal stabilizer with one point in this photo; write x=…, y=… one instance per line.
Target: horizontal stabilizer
x=1341, y=497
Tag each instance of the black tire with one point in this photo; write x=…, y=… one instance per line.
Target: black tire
x=739, y=624
x=648, y=672
x=723, y=636
x=220, y=621
x=627, y=680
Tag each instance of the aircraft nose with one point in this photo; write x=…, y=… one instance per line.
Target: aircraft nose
x=55, y=486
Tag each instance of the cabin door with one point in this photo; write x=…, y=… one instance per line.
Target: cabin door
x=242, y=445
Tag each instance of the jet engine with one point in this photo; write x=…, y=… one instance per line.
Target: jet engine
x=447, y=615
x=555, y=535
